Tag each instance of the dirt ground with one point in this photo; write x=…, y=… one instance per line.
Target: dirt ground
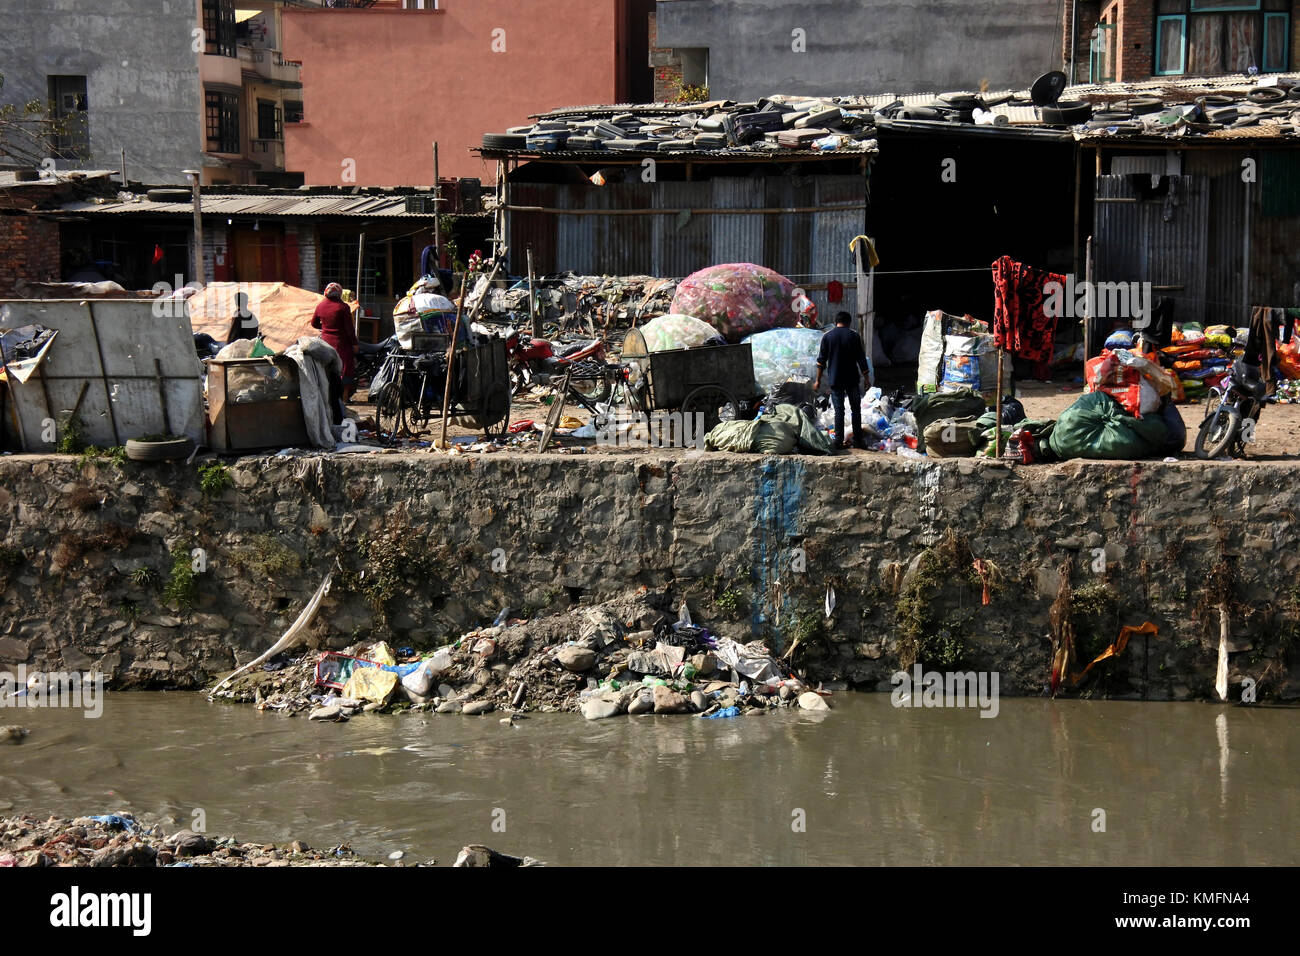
x=1276, y=438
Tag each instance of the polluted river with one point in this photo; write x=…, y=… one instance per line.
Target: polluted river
x=1046, y=782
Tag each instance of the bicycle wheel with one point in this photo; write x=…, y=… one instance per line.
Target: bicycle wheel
x=390, y=414
x=1218, y=431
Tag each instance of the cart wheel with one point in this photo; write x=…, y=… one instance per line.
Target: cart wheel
x=495, y=417
x=711, y=401
x=388, y=409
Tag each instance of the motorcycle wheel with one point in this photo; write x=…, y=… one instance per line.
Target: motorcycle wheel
x=1218, y=431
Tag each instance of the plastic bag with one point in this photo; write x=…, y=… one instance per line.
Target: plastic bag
x=784, y=355
x=420, y=680
x=371, y=683
x=666, y=332
x=737, y=299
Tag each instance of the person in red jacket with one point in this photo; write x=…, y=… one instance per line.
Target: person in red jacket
x=334, y=319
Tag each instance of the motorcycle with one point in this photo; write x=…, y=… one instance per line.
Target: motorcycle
x=370, y=359
x=537, y=362
x=1231, y=411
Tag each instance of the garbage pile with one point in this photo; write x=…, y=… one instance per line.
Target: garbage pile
x=602, y=301
x=627, y=656
x=776, y=123
x=118, y=839
x=1200, y=357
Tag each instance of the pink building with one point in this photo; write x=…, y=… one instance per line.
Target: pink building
x=383, y=81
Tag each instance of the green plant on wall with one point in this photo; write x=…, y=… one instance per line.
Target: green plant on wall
x=267, y=557
x=181, y=589
x=71, y=439
x=214, y=478
x=394, y=562
x=922, y=636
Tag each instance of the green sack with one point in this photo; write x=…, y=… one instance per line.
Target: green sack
x=260, y=349
x=932, y=406
x=731, y=436
x=775, y=436
x=952, y=438
x=1097, y=426
x=812, y=440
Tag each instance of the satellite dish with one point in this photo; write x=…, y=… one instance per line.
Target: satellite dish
x=1047, y=89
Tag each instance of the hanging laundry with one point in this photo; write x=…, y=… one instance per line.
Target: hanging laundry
x=1020, y=322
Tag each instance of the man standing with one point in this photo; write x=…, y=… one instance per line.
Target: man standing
x=842, y=350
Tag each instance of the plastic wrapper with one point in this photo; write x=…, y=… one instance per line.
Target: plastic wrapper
x=737, y=299
x=671, y=331
x=784, y=355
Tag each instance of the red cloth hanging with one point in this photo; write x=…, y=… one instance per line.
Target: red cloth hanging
x=834, y=291
x=1020, y=322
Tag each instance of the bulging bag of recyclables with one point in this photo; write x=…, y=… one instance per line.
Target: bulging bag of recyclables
x=666, y=332
x=737, y=299
x=784, y=355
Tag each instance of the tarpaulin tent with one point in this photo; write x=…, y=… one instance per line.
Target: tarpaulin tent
x=283, y=311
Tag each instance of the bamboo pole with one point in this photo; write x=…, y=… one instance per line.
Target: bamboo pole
x=997, y=426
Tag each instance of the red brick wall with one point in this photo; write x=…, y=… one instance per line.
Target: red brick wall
x=667, y=66
x=29, y=249
x=1136, y=31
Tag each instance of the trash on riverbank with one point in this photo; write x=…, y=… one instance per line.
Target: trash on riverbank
x=478, y=855
x=631, y=656
x=118, y=839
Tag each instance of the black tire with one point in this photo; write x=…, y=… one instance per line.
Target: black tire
x=709, y=400
x=1141, y=105
x=1293, y=93
x=1266, y=94
x=1067, y=113
x=169, y=195
x=138, y=450
x=505, y=141
x=1225, y=421
x=961, y=101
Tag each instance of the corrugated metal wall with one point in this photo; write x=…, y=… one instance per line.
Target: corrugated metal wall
x=809, y=247
x=1135, y=243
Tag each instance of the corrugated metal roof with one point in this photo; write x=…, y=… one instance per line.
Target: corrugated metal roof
x=268, y=206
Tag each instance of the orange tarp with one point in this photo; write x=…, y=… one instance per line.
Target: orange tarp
x=283, y=311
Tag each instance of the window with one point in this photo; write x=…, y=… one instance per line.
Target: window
x=270, y=120
x=223, y=122
x=1221, y=36
x=1101, y=54
x=219, y=27
x=70, y=137
x=293, y=111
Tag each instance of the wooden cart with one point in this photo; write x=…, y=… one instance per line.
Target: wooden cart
x=480, y=390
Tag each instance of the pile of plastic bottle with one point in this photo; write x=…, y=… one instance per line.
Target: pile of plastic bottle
x=889, y=428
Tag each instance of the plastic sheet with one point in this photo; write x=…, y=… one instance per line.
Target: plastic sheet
x=737, y=299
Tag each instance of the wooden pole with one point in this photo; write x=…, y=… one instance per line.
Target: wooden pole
x=533, y=318
x=437, y=211
x=997, y=427
x=356, y=316
x=1087, y=309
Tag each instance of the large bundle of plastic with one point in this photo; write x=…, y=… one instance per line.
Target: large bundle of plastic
x=784, y=355
x=1097, y=426
x=676, y=332
x=737, y=299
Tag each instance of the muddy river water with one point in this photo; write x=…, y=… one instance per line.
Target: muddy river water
x=1171, y=784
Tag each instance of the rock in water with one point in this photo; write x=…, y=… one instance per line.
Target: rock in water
x=13, y=734
x=477, y=707
x=328, y=712
x=575, y=658
x=812, y=701
x=643, y=703
x=598, y=709
x=478, y=855
x=699, y=701
x=668, y=701
x=187, y=843
x=449, y=707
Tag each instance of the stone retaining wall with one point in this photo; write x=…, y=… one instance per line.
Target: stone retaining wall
x=752, y=543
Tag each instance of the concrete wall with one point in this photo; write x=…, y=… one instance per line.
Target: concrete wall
x=865, y=46
x=720, y=531
x=380, y=86
x=142, y=80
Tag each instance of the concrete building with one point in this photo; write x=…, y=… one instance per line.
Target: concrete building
x=744, y=49
x=185, y=84
x=385, y=80
x=1131, y=40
